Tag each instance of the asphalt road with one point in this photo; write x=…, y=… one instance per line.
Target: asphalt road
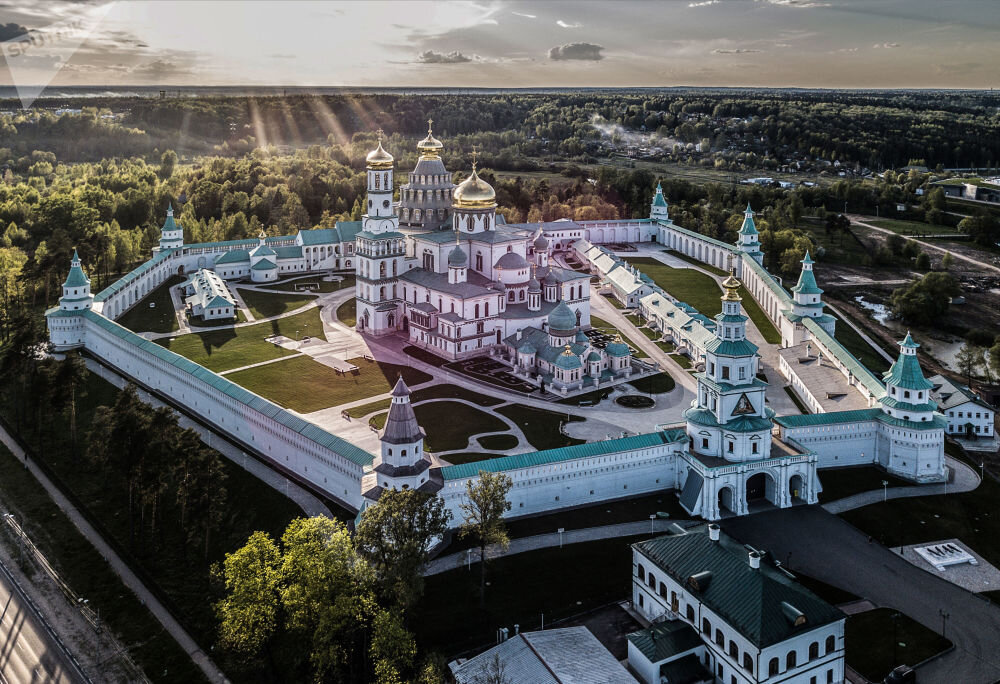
x=27, y=652
x=825, y=547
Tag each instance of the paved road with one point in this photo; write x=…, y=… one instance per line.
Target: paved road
x=827, y=548
x=120, y=567
x=28, y=653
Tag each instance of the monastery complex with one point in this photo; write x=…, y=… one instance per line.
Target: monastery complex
x=441, y=268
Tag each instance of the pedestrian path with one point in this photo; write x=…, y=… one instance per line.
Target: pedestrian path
x=962, y=478
x=120, y=567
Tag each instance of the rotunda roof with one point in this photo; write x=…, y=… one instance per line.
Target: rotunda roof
x=562, y=318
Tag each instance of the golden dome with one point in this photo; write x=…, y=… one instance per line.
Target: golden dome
x=379, y=158
x=430, y=147
x=732, y=286
x=474, y=192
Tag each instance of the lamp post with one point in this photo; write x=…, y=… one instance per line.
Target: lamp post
x=944, y=622
x=885, y=491
x=652, y=517
x=561, y=530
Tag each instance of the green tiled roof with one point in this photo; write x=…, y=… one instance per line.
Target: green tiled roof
x=833, y=418
x=665, y=640
x=907, y=406
x=906, y=373
x=263, y=250
x=731, y=347
x=698, y=236
x=568, y=361
x=701, y=416
x=76, y=277
x=263, y=265
x=748, y=227
x=288, y=252
x=319, y=236
x=748, y=599
x=539, y=458
x=658, y=199
x=234, y=256
x=807, y=280
x=129, y=277
x=617, y=349
x=306, y=429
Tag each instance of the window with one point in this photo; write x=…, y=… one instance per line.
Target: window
x=640, y=600
x=642, y=572
x=831, y=643
x=748, y=662
x=814, y=650
x=772, y=667
x=829, y=677
x=755, y=446
x=790, y=660
x=734, y=650
x=743, y=373
x=652, y=581
x=719, y=639
x=704, y=442
x=690, y=612
x=729, y=447
x=706, y=626
x=725, y=372
x=663, y=587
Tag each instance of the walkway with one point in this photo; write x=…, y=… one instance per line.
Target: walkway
x=306, y=500
x=860, y=220
x=544, y=541
x=961, y=478
x=121, y=568
x=178, y=302
x=235, y=291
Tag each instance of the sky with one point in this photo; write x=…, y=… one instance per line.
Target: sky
x=774, y=43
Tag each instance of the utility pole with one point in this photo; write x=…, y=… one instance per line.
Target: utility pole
x=944, y=622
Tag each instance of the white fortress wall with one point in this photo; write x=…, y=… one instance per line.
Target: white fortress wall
x=838, y=444
x=311, y=454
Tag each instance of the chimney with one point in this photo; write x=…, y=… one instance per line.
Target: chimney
x=754, y=560
x=713, y=532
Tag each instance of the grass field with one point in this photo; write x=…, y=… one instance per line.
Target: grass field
x=695, y=262
x=322, y=285
x=221, y=350
x=654, y=384
x=499, y=442
x=686, y=284
x=682, y=361
x=858, y=347
x=469, y=457
x=759, y=318
x=371, y=407
x=613, y=301
x=347, y=313
x=161, y=318
x=453, y=392
x=267, y=304
x=448, y=424
x=541, y=427
x=872, y=642
x=83, y=568
x=305, y=385
x=915, y=228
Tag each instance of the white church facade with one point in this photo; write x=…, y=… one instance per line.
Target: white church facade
x=475, y=285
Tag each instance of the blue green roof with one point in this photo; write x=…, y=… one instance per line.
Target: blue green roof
x=539, y=458
x=168, y=223
x=308, y=430
x=658, y=199
x=234, y=256
x=731, y=347
x=263, y=265
x=905, y=373
x=76, y=277
x=617, y=349
x=807, y=280
x=594, y=356
x=457, y=257
x=568, y=361
x=562, y=317
x=833, y=418
x=701, y=416
x=263, y=250
x=288, y=252
x=892, y=402
x=748, y=227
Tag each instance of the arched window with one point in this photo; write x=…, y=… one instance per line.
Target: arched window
x=790, y=660
x=663, y=590
x=477, y=311
x=706, y=626
x=642, y=572
x=690, y=612
x=831, y=643
x=652, y=581
x=814, y=650
x=748, y=663
x=377, y=181
x=386, y=180
x=486, y=222
x=772, y=667
x=522, y=295
x=719, y=639
x=469, y=223
x=734, y=650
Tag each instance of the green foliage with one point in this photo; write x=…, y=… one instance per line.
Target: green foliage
x=926, y=299
x=483, y=510
x=248, y=616
x=923, y=262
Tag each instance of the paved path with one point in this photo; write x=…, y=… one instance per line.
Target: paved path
x=305, y=499
x=544, y=541
x=29, y=651
x=823, y=546
x=238, y=296
x=962, y=478
x=120, y=567
x=861, y=221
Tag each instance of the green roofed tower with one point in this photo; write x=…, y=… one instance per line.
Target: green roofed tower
x=907, y=391
x=171, y=234
x=806, y=295
x=658, y=210
x=749, y=238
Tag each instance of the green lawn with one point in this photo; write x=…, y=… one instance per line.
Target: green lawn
x=221, y=350
x=555, y=582
x=469, y=457
x=539, y=426
x=421, y=354
x=371, y=407
x=267, y=304
x=499, y=442
x=858, y=347
x=683, y=361
x=870, y=648
x=654, y=384
x=453, y=392
x=89, y=575
x=614, y=302
x=321, y=285
x=915, y=228
x=686, y=284
x=695, y=262
x=840, y=482
x=448, y=424
x=668, y=347
x=161, y=318
x=347, y=313
x=650, y=333
x=305, y=385
x=759, y=318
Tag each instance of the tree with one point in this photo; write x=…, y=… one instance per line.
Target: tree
x=483, y=509
x=994, y=359
x=926, y=299
x=969, y=359
x=923, y=262
x=395, y=535
x=392, y=649
x=168, y=161
x=68, y=385
x=947, y=261
x=249, y=614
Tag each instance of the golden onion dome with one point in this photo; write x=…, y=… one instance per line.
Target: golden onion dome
x=732, y=286
x=379, y=158
x=474, y=193
x=430, y=147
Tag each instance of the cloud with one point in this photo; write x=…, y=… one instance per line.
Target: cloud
x=885, y=45
x=734, y=51
x=583, y=51
x=526, y=16
x=11, y=30
x=802, y=4
x=432, y=57
x=563, y=24
x=703, y=3
x=160, y=68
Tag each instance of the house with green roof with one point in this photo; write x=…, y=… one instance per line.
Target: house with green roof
x=970, y=419
x=744, y=618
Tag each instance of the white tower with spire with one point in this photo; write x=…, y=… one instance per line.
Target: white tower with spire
x=749, y=238
x=658, y=210
x=379, y=250
x=171, y=234
x=65, y=322
x=402, y=462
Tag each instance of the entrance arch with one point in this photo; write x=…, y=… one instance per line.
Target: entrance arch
x=727, y=500
x=761, y=487
x=797, y=489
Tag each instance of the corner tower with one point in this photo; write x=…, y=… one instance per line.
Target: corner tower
x=658, y=210
x=749, y=238
x=171, y=234
x=65, y=322
x=402, y=462
x=907, y=391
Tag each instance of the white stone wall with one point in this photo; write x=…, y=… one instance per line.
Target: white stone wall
x=838, y=444
x=285, y=448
